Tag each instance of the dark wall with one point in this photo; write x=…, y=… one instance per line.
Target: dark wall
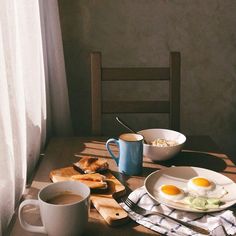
x=141, y=33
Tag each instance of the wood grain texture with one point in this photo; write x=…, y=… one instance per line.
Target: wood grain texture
x=107, y=206
x=101, y=106
x=199, y=151
x=135, y=106
x=174, y=93
x=135, y=73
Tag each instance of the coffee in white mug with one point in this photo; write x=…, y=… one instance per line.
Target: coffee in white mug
x=64, y=209
x=65, y=197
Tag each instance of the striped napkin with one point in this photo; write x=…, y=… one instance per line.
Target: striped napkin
x=218, y=223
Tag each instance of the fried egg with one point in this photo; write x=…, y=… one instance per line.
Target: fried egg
x=201, y=186
x=170, y=192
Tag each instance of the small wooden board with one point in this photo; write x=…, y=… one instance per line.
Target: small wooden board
x=103, y=201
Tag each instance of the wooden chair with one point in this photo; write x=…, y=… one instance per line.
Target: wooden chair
x=100, y=74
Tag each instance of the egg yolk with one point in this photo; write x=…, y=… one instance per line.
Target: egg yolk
x=170, y=190
x=201, y=182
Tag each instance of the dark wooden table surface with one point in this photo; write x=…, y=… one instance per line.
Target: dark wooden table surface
x=199, y=151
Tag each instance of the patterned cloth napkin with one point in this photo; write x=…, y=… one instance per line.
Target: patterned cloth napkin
x=217, y=223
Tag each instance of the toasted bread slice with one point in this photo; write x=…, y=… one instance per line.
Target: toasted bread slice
x=62, y=174
x=90, y=165
x=91, y=177
x=93, y=184
x=94, y=181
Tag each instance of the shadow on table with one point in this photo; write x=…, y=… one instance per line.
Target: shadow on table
x=130, y=228
x=196, y=159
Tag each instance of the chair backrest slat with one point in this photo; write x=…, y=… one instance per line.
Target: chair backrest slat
x=129, y=74
x=100, y=75
x=135, y=107
x=174, y=90
x=96, y=98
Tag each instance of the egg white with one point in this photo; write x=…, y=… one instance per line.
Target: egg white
x=198, y=190
x=175, y=197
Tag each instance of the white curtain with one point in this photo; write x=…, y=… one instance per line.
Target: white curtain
x=33, y=93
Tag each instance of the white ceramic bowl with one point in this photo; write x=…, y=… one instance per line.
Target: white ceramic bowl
x=156, y=153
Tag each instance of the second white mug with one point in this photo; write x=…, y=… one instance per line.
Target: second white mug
x=64, y=209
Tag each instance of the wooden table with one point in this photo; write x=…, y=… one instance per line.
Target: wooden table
x=199, y=151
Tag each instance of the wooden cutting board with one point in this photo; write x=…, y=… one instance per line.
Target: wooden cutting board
x=104, y=202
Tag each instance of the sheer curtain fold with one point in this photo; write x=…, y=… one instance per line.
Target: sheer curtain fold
x=59, y=122
x=33, y=93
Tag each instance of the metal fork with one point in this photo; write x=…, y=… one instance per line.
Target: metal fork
x=141, y=211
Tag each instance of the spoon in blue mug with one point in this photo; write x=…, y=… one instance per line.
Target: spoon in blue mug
x=128, y=127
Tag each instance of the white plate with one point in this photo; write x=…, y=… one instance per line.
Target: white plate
x=179, y=176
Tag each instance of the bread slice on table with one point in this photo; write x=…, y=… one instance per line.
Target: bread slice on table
x=89, y=165
x=94, y=181
x=62, y=174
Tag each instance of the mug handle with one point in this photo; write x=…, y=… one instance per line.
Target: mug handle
x=113, y=140
x=24, y=224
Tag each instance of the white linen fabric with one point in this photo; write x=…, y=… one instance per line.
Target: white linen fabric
x=32, y=90
x=210, y=221
x=58, y=112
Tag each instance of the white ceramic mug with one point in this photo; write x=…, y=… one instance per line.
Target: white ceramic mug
x=63, y=219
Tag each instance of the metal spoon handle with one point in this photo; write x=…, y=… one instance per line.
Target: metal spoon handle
x=125, y=125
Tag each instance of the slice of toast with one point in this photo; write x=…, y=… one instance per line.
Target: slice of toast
x=93, y=184
x=94, y=181
x=90, y=165
x=92, y=177
x=62, y=174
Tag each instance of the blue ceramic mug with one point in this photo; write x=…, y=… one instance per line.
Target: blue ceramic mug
x=130, y=157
